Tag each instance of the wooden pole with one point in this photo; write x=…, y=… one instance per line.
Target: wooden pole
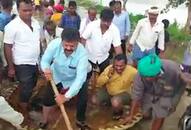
x=62, y=108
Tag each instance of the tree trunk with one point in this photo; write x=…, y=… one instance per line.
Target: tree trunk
x=188, y=23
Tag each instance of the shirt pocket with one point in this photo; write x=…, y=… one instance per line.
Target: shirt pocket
x=155, y=34
x=72, y=67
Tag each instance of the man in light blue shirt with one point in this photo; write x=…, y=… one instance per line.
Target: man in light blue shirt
x=5, y=18
x=5, y=15
x=66, y=61
x=121, y=20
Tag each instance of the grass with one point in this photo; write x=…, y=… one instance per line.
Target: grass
x=87, y=3
x=177, y=34
x=175, y=51
x=134, y=19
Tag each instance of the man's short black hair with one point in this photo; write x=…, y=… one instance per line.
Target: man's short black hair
x=51, y=2
x=107, y=14
x=72, y=3
x=118, y=2
x=121, y=57
x=166, y=23
x=70, y=34
x=112, y=3
x=6, y=4
x=25, y=1
x=49, y=23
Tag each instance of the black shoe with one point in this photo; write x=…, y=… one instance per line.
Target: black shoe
x=82, y=125
x=43, y=125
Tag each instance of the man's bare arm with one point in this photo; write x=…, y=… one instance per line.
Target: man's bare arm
x=9, y=59
x=118, y=50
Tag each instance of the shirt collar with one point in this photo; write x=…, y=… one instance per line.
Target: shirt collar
x=156, y=23
x=32, y=21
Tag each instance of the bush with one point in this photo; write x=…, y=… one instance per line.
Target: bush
x=134, y=19
x=87, y=3
x=177, y=34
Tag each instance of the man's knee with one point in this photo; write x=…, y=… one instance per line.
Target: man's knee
x=95, y=100
x=116, y=102
x=147, y=116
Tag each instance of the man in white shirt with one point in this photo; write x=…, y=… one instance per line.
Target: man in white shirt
x=92, y=12
x=145, y=35
x=22, y=50
x=100, y=35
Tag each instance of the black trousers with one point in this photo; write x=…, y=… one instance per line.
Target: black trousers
x=102, y=65
x=27, y=76
x=123, y=46
x=83, y=94
x=48, y=99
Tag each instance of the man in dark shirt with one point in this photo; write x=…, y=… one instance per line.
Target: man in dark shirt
x=157, y=88
x=166, y=36
x=71, y=19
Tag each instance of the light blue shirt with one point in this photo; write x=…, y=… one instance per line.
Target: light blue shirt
x=123, y=24
x=5, y=18
x=71, y=71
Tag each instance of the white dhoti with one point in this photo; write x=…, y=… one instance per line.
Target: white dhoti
x=7, y=113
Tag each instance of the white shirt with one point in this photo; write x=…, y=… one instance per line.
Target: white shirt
x=46, y=36
x=99, y=44
x=83, y=24
x=26, y=43
x=146, y=36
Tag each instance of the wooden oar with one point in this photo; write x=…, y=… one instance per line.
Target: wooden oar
x=62, y=108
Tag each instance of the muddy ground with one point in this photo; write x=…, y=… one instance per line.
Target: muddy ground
x=97, y=117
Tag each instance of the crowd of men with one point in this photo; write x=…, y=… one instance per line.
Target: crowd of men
x=151, y=84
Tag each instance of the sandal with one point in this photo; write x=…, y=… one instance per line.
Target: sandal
x=82, y=125
x=43, y=125
x=117, y=115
